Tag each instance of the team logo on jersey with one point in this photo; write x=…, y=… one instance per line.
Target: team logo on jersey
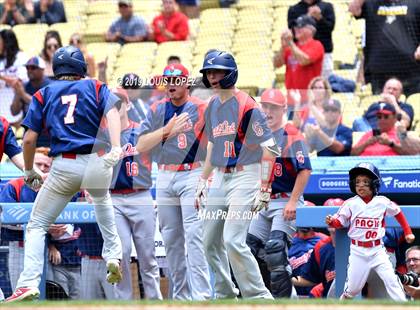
x=188, y=126
x=129, y=150
x=296, y=262
x=224, y=129
x=300, y=157
x=258, y=130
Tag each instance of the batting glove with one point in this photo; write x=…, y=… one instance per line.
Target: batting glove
x=33, y=179
x=113, y=157
x=200, y=199
x=262, y=199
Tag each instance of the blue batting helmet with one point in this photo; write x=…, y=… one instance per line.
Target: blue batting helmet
x=365, y=169
x=221, y=61
x=69, y=60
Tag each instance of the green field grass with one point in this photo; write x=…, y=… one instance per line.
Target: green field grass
x=225, y=302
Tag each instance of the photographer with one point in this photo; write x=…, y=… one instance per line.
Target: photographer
x=411, y=278
x=383, y=141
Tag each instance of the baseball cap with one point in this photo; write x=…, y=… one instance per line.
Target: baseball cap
x=175, y=70
x=332, y=104
x=126, y=2
x=273, y=96
x=386, y=108
x=36, y=62
x=305, y=20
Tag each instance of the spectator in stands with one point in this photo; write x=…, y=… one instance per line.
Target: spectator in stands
x=391, y=94
x=392, y=42
x=170, y=25
x=323, y=13
x=14, y=12
x=190, y=8
x=76, y=40
x=312, y=112
x=332, y=139
x=23, y=91
x=52, y=42
x=303, y=59
x=410, y=141
x=48, y=12
x=412, y=259
x=17, y=191
x=12, y=69
x=384, y=140
x=173, y=59
x=128, y=28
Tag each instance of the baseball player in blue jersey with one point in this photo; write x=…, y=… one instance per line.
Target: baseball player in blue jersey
x=274, y=228
x=17, y=191
x=9, y=145
x=134, y=212
x=240, y=151
x=320, y=267
x=71, y=109
x=173, y=130
x=299, y=252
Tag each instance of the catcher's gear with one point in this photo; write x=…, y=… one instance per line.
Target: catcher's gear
x=200, y=198
x=365, y=169
x=222, y=61
x=33, y=179
x=69, y=60
x=262, y=199
x=113, y=157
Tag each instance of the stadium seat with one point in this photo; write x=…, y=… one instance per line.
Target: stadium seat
x=67, y=29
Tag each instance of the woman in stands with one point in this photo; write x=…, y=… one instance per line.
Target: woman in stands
x=312, y=112
x=12, y=69
x=76, y=40
x=52, y=42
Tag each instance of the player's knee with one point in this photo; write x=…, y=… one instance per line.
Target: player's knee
x=254, y=243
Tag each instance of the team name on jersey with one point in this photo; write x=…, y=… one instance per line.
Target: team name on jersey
x=366, y=222
x=224, y=129
x=188, y=126
x=296, y=262
x=129, y=150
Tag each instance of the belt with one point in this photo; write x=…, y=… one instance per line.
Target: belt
x=126, y=191
x=74, y=155
x=181, y=167
x=279, y=195
x=94, y=257
x=366, y=244
x=236, y=168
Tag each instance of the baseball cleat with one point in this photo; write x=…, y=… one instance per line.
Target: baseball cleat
x=114, y=271
x=24, y=293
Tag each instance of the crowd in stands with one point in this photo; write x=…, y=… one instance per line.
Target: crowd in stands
x=391, y=64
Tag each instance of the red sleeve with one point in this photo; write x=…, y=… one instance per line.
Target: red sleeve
x=181, y=31
x=400, y=217
x=156, y=30
x=315, y=51
x=336, y=224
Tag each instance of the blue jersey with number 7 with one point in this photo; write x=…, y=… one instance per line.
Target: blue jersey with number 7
x=72, y=112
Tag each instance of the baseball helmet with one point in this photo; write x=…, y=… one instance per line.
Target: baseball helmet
x=221, y=61
x=69, y=60
x=365, y=169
